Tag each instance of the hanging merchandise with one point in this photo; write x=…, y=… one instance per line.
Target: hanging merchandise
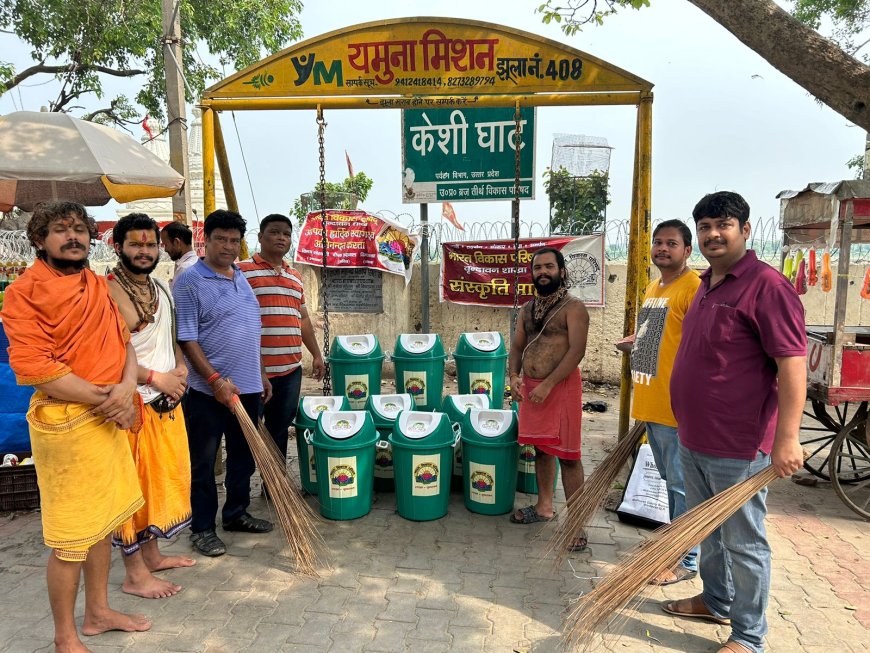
x=865, y=287
x=788, y=266
x=800, y=281
x=813, y=276
x=827, y=276
x=798, y=257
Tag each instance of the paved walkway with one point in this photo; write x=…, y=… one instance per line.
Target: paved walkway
x=462, y=583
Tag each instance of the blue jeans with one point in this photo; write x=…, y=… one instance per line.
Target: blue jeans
x=280, y=411
x=665, y=445
x=735, y=558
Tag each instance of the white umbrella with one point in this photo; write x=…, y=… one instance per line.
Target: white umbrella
x=52, y=156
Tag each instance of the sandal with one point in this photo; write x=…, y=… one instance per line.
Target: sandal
x=680, y=574
x=529, y=515
x=693, y=608
x=208, y=544
x=579, y=543
x=734, y=647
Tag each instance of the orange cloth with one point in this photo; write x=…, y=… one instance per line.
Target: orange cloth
x=554, y=425
x=59, y=324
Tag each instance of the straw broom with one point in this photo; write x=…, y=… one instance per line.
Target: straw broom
x=661, y=552
x=588, y=499
x=294, y=515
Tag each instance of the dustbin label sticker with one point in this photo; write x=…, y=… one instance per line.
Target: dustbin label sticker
x=482, y=481
x=390, y=408
x=426, y=472
x=415, y=385
x=457, y=460
x=356, y=388
x=480, y=383
x=384, y=463
x=342, y=477
x=527, y=459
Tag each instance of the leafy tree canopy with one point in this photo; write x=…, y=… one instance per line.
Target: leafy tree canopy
x=81, y=42
x=344, y=195
x=577, y=204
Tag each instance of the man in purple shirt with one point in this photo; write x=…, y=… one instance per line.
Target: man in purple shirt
x=738, y=390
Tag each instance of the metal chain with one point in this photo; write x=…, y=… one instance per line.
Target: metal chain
x=515, y=218
x=324, y=272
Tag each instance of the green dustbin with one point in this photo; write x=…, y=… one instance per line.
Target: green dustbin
x=527, y=480
x=480, y=365
x=419, y=360
x=344, y=451
x=306, y=420
x=455, y=407
x=384, y=409
x=355, y=364
x=422, y=455
x=489, y=445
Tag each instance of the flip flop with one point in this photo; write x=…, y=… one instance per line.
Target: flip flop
x=680, y=574
x=580, y=543
x=734, y=647
x=530, y=516
x=696, y=610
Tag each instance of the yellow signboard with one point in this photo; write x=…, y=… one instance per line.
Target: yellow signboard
x=426, y=56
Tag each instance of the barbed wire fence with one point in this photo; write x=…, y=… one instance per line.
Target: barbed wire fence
x=766, y=239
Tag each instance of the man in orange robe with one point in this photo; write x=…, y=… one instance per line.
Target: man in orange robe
x=69, y=342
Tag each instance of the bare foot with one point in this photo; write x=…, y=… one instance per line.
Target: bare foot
x=114, y=620
x=150, y=587
x=70, y=646
x=169, y=562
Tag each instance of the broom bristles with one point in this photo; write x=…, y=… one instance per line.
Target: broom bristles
x=296, y=518
x=661, y=552
x=588, y=499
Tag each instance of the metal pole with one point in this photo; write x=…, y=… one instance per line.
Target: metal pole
x=424, y=267
x=515, y=234
x=208, y=191
x=176, y=111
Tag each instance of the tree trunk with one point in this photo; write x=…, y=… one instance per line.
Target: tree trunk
x=802, y=54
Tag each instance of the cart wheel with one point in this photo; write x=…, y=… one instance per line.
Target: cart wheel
x=818, y=440
x=849, y=467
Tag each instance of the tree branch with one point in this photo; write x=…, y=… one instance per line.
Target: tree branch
x=41, y=68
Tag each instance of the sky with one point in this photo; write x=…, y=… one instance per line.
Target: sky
x=723, y=118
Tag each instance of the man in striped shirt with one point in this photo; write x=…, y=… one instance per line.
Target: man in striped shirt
x=286, y=325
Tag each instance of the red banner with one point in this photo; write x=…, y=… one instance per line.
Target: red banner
x=356, y=239
x=483, y=273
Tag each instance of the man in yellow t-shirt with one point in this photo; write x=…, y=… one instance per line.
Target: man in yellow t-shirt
x=659, y=329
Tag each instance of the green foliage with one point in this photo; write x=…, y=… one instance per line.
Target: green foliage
x=572, y=15
x=856, y=166
x=849, y=20
x=82, y=41
x=577, y=204
x=344, y=195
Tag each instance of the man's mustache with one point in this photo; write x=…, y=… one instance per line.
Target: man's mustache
x=72, y=246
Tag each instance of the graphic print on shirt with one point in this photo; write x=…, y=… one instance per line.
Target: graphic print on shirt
x=650, y=329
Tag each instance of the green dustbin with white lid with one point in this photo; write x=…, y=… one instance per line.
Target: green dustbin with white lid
x=480, y=365
x=422, y=458
x=306, y=420
x=527, y=479
x=344, y=452
x=355, y=364
x=455, y=406
x=489, y=456
x=419, y=362
x=384, y=409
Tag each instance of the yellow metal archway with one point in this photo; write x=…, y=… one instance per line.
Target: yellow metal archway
x=442, y=62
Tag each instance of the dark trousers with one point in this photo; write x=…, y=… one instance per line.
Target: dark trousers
x=280, y=411
x=207, y=421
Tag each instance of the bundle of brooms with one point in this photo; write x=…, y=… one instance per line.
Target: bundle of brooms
x=586, y=502
x=660, y=553
x=294, y=515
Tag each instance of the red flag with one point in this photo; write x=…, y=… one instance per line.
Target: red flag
x=147, y=128
x=449, y=214
x=349, y=164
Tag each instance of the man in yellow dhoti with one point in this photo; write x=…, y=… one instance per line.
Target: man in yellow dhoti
x=68, y=340
x=160, y=449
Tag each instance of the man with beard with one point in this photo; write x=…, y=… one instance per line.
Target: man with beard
x=548, y=345
x=177, y=239
x=659, y=328
x=68, y=340
x=160, y=448
x=738, y=390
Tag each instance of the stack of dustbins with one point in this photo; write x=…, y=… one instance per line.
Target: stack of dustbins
x=489, y=446
x=455, y=407
x=480, y=365
x=306, y=420
x=344, y=451
x=355, y=364
x=384, y=409
x=422, y=456
x=419, y=360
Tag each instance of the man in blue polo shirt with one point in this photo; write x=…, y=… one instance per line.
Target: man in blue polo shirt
x=219, y=332
x=738, y=390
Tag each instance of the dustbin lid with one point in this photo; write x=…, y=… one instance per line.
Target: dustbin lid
x=491, y=423
x=389, y=406
x=415, y=424
x=417, y=343
x=484, y=340
x=313, y=406
x=342, y=424
x=463, y=403
x=361, y=345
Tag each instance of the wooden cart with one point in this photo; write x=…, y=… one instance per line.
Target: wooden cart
x=836, y=215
